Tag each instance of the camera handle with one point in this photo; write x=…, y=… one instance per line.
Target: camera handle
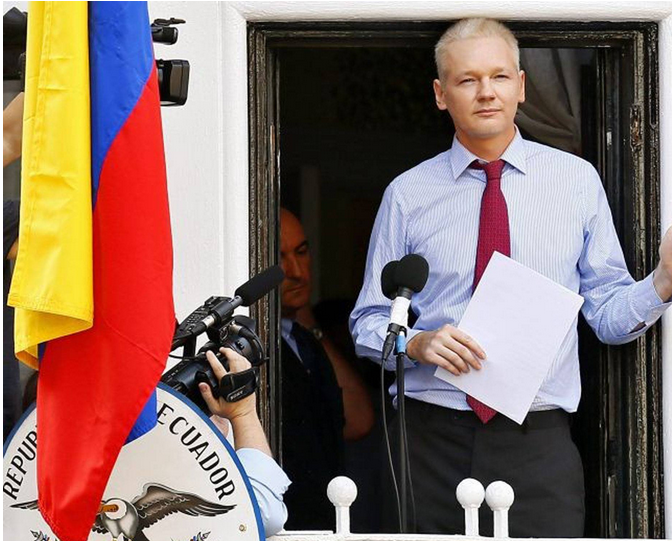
x=233, y=387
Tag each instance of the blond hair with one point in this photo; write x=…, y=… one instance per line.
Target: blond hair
x=473, y=28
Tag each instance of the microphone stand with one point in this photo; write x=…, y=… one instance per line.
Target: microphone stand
x=400, y=350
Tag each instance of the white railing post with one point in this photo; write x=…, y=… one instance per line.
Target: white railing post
x=470, y=494
x=342, y=492
x=499, y=496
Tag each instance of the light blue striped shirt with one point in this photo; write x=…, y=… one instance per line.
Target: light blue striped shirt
x=560, y=225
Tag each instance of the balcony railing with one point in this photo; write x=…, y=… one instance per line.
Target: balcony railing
x=342, y=493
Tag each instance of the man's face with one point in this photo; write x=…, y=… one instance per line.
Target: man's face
x=295, y=262
x=481, y=88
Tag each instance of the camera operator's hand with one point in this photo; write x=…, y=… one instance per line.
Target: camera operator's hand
x=219, y=406
x=247, y=430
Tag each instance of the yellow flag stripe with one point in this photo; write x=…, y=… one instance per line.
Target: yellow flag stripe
x=52, y=286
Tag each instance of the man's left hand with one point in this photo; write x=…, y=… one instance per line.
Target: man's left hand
x=662, y=276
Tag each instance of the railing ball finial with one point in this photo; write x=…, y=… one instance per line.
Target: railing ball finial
x=342, y=492
x=499, y=497
x=470, y=494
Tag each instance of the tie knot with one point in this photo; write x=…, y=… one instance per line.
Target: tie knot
x=493, y=170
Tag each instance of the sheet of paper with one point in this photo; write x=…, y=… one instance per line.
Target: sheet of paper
x=520, y=319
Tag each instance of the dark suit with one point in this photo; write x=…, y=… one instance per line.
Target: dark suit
x=312, y=433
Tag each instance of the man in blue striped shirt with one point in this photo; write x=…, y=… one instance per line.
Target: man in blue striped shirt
x=560, y=225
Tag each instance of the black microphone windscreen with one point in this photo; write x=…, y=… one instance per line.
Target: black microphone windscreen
x=387, y=281
x=412, y=272
x=260, y=285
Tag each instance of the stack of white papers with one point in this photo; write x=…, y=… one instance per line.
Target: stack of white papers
x=520, y=318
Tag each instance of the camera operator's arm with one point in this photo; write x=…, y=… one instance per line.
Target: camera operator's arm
x=268, y=480
x=12, y=127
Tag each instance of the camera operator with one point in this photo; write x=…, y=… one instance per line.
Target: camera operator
x=268, y=480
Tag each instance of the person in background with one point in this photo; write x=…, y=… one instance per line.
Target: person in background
x=324, y=399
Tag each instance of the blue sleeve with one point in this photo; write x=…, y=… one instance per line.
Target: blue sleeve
x=269, y=483
x=371, y=315
x=618, y=308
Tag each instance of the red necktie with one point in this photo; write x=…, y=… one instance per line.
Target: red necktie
x=493, y=235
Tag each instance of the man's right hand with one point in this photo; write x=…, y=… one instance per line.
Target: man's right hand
x=247, y=430
x=448, y=348
x=219, y=406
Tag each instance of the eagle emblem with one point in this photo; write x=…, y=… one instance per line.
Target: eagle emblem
x=128, y=519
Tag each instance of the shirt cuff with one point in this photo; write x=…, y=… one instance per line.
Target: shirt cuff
x=410, y=334
x=264, y=469
x=646, y=304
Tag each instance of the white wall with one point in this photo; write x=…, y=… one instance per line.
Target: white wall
x=206, y=141
x=208, y=195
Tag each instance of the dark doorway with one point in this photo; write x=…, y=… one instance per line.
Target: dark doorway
x=352, y=119
x=347, y=110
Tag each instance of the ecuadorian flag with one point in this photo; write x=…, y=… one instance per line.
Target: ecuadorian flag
x=92, y=285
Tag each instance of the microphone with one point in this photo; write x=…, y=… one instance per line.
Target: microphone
x=409, y=277
x=260, y=285
x=387, y=281
x=245, y=295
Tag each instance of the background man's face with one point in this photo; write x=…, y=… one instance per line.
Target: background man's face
x=295, y=262
x=481, y=87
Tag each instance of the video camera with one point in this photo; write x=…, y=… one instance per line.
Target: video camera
x=215, y=318
x=173, y=74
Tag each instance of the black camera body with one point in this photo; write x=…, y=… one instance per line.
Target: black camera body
x=216, y=318
x=237, y=333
